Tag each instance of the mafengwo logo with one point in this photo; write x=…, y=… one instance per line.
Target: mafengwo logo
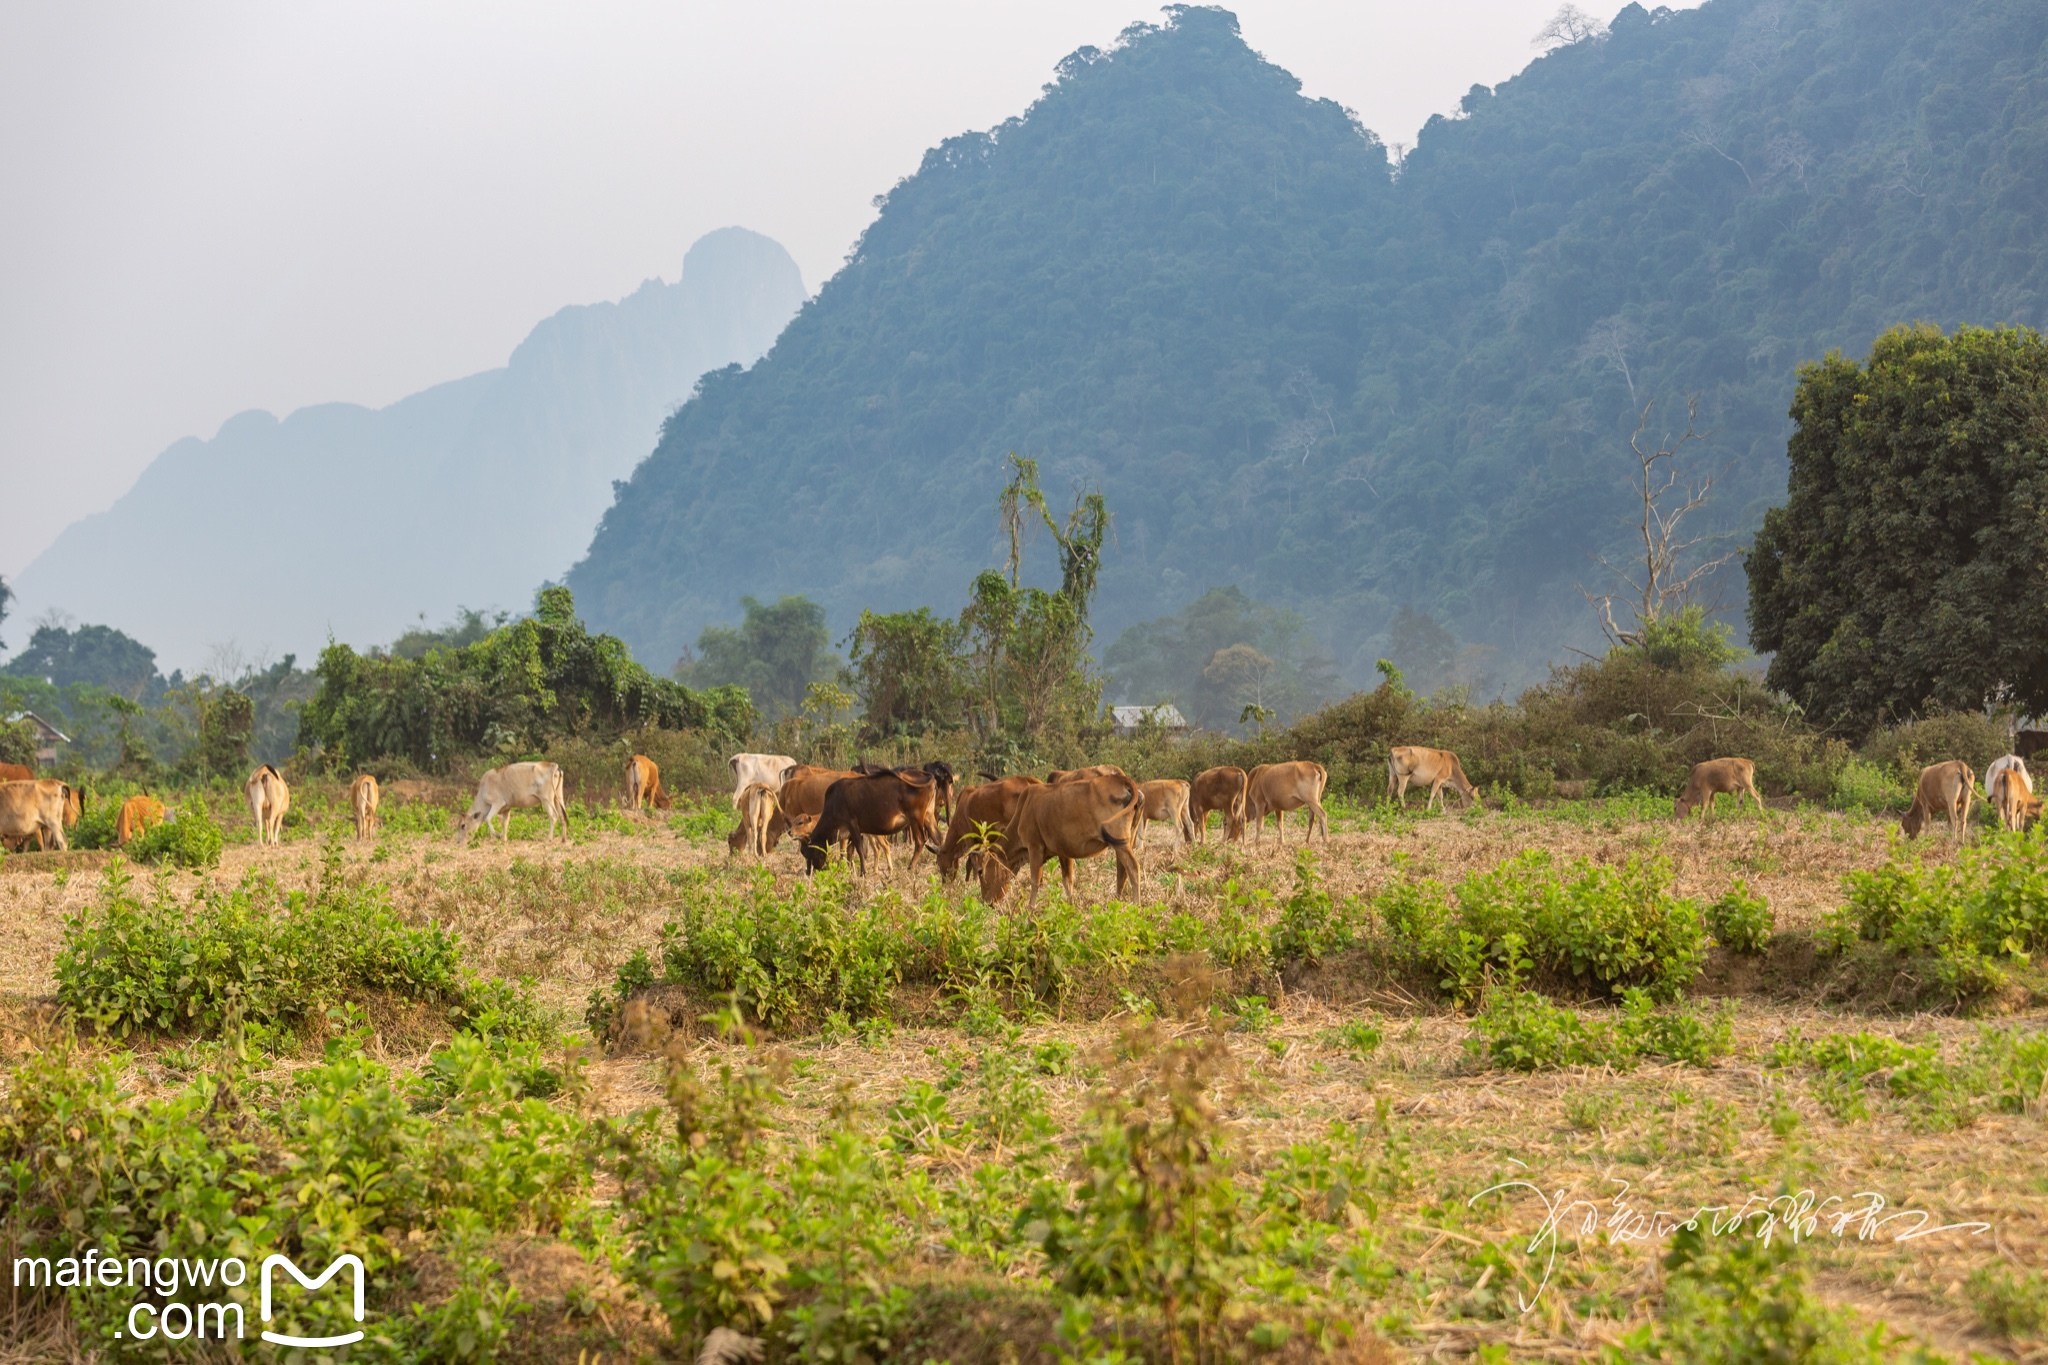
x=352, y=1264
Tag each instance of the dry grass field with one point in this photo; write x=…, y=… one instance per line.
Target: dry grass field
x=1455, y=1163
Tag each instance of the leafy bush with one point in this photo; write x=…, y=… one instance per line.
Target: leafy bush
x=256, y=957
x=188, y=838
x=1523, y=1031
x=2002, y=1068
x=1740, y=921
x=2012, y=1303
x=1866, y=786
x=1966, y=920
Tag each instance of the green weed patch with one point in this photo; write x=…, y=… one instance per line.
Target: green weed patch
x=1969, y=922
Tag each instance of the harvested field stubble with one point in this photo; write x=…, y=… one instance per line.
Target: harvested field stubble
x=948, y=1161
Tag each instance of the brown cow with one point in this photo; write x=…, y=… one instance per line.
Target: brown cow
x=643, y=785
x=1218, y=789
x=138, y=813
x=34, y=809
x=1945, y=789
x=74, y=808
x=890, y=801
x=1059, y=775
x=1438, y=767
x=759, y=811
x=1079, y=818
x=993, y=804
x=1276, y=788
x=269, y=799
x=14, y=772
x=362, y=801
x=1709, y=779
x=1166, y=801
x=2011, y=790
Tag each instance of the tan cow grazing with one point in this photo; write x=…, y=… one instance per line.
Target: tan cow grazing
x=770, y=770
x=1713, y=777
x=992, y=804
x=758, y=812
x=1213, y=790
x=362, y=802
x=1276, y=788
x=138, y=813
x=1072, y=820
x=1439, y=768
x=269, y=799
x=34, y=810
x=1945, y=789
x=2011, y=792
x=643, y=785
x=516, y=786
x=1166, y=802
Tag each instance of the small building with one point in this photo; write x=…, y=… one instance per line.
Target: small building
x=1129, y=720
x=48, y=736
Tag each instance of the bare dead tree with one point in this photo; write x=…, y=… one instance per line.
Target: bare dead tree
x=1660, y=584
x=1568, y=26
x=1607, y=345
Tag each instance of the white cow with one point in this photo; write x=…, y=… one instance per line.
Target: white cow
x=770, y=770
x=516, y=786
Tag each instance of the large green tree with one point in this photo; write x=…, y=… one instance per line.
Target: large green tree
x=1186, y=659
x=1909, y=564
x=99, y=655
x=777, y=651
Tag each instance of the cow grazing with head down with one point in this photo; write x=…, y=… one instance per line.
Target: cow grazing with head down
x=1435, y=768
x=269, y=798
x=138, y=813
x=989, y=807
x=643, y=785
x=34, y=809
x=882, y=803
x=516, y=786
x=1946, y=789
x=363, y=795
x=1071, y=820
x=1276, y=788
x=1218, y=789
x=1166, y=802
x=2010, y=790
x=1735, y=776
x=770, y=770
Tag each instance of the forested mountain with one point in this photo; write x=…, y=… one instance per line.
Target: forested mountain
x=1346, y=384
x=344, y=519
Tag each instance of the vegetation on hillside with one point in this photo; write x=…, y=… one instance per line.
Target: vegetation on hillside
x=1343, y=389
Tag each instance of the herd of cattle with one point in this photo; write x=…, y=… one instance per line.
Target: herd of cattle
x=996, y=829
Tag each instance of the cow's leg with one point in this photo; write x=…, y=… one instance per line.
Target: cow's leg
x=1320, y=818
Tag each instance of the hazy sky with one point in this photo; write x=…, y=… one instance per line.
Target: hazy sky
x=216, y=207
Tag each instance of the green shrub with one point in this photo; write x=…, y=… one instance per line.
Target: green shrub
x=2002, y=1068
x=258, y=958
x=188, y=838
x=1521, y=1030
x=2012, y=1303
x=1866, y=786
x=1966, y=921
x=1741, y=921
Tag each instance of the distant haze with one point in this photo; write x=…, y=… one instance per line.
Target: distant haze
x=344, y=520
x=221, y=207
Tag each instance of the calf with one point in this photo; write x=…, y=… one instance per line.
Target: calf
x=138, y=813
x=1945, y=789
x=269, y=798
x=362, y=802
x=897, y=800
x=1707, y=780
x=643, y=785
x=516, y=786
x=34, y=809
x=759, y=811
x=1166, y=801
x=1217, y=789
x=1438, y=768
x=2011, y=791
x=1079, y=818
x=1276, y=788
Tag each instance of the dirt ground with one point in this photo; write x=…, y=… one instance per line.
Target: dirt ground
x=1492, y=1153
